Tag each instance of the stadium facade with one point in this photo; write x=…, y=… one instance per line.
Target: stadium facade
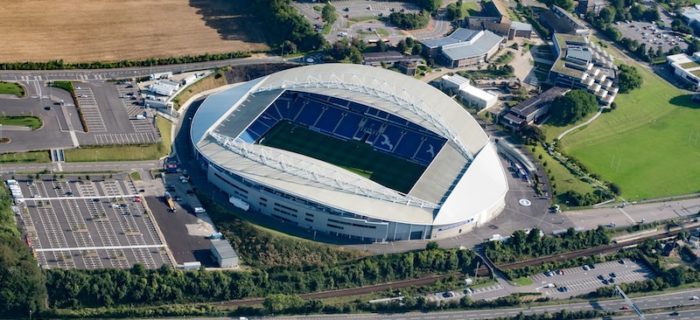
x=443, y=175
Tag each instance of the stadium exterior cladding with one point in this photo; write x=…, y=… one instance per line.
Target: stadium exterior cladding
x=463, y=185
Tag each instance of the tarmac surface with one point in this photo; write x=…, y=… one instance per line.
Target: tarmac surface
x=89, y=224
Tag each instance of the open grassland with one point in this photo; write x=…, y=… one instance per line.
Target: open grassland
x=77, y=30
x=650, y=145
x=11, y=88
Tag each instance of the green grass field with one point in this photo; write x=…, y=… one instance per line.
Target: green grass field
x=354, y=156
x=559, y=176
x=22, y=121
x=31, y=156
x=650, y=145
x=11, y=88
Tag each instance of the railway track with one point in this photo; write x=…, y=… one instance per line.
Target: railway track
x=345, y=292
x=588, y=251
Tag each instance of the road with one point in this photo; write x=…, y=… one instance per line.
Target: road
x=667, y=300
x=121, y=73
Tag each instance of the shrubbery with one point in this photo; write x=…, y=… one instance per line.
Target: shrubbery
x=409, y=21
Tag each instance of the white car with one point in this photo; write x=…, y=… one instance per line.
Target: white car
x=694, y=298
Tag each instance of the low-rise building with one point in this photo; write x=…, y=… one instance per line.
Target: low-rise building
x=469, y=94
x=532, y=109
x=464, y=47
x=686, y=67
x=586, y=6
x=561, y=21
x=581, y=64
x=164, y=87
x=691, y=15
x=224, y=254
x=407, y=64
x=498, y=21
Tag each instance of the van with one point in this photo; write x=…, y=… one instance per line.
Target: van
x=199, y=210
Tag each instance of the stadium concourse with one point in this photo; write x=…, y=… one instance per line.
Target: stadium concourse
x=359, y=152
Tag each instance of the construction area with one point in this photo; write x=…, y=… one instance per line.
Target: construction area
x=87, y=222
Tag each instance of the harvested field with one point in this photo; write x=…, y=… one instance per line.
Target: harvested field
x=105, y=30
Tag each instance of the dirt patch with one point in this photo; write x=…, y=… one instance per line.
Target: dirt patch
x=78, y=30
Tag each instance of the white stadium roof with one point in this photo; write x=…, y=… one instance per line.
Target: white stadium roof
x=463, y=180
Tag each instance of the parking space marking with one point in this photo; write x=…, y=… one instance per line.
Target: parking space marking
x=143, y=246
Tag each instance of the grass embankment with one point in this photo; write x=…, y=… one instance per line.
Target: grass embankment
x=649, y=145
x=470, y=9
x=126, y=152
x=212, y=81
x=11, y=88
x=22, y=121
x=31, y=156
x=560, y=178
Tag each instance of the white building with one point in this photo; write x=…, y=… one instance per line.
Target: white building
x=164, y=87
x=469, y=94
x=686, y=67
x=224, y=254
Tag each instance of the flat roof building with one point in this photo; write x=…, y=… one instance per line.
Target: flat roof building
x=224, y=254
x=562, y=21
x=464, y=47
x=469, y=94
x=686, y=67
x=164, y=87
x=532, y=109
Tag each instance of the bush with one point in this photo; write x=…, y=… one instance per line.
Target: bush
x=409, y=21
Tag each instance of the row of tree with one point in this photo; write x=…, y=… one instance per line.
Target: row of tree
x=22, y=287
x=60, y=64
x=523, y=245
x=79, y=288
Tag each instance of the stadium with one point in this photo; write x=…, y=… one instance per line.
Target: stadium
x=359, y=152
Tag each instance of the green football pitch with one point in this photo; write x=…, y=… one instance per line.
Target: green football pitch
x=357, y=157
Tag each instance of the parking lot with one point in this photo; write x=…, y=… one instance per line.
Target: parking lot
x=653, y=37
x=110, y=111
x=358, y=18
x=578, y=281
x=101, y=222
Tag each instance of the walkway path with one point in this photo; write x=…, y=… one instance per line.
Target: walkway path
x=600, y=111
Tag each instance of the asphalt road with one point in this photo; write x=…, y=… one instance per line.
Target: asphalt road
x=121, y=73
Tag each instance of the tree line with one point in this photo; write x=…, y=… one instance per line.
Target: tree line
x=60, y=64
x=111, y=287
x=533, y=244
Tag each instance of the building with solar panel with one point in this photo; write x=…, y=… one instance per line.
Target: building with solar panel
x=353, y=151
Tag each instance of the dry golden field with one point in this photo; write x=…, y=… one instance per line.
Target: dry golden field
x=89, y=30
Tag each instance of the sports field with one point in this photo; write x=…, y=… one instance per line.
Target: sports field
x=650, y=145
x=79, y=30
x=389, y=171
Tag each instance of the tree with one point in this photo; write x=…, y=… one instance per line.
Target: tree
x=629, y=78
x=328, y=14
x=355, y=55
x=277, y=303
x=454, y=11
x=432, y=245
x=567, y=5
x=409, y=21
x=21, y=282
x=607, y=15
x=572, y=107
